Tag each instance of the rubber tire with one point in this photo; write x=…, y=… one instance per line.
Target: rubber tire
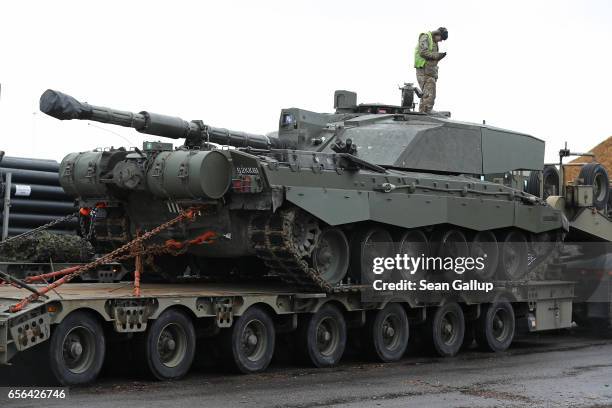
x=433, y=330
x=373, y=340
x=533, y=184
x=230, y=342
x=151, y=359
x=550, y=174
x=307, y=337
x=60, y=372
x=484, y=337
x=588, y=173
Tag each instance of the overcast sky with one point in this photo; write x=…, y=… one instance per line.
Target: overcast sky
x=540, y=67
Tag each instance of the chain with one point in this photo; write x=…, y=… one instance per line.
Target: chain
x=129, y=250
x=39, y=229
x=92, y=224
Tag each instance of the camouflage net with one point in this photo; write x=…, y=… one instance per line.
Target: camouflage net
x=47, y=247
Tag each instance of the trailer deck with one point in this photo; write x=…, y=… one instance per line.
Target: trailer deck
x=111, y=272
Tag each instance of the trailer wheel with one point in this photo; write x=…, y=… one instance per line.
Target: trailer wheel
x=386, y=333
x=249, y=343
x=169, y=345
x=322, y=337
x=76, y=349
x=447, y=329
x=495, y=326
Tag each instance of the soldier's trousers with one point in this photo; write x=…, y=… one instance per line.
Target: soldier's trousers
x=427, y=84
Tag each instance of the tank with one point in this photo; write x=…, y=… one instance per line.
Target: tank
x=315, y=201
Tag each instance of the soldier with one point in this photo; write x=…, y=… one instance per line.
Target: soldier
x=426, y=57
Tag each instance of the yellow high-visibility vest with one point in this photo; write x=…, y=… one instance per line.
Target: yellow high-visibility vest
x=419, y=62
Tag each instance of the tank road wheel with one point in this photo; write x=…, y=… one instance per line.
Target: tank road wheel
x=446, y=329
x=484, y=245
x=169, y=345
x=249, y=343
x=331, y=255
x=386, y=333
x=414, y=244
x=451, y=243
x=366, y=244
x=596, y=175
x=513, y=254
x=495, y=326
x=76, y=349
x=305, y=232
x=322, y=337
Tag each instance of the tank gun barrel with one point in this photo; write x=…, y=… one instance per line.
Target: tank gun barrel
x=65, y=107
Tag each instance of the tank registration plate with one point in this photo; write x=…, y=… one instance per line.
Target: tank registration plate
x=247, y=170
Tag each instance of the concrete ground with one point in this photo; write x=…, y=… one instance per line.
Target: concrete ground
x=564, y=369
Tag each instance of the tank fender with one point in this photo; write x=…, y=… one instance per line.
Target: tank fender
x=340, y=206
x=333, y=206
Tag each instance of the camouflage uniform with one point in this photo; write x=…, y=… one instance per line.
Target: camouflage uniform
x=428, y=75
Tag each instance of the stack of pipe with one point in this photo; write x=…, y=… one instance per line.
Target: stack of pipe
x=36, y=195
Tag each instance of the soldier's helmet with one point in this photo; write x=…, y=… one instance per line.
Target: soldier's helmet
x=443, y=32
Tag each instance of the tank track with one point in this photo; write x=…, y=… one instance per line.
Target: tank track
x=272, y=238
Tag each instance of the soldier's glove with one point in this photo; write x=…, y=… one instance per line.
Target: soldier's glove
x=442, y=55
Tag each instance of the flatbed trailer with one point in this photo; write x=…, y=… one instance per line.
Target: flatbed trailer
x=111, y=272
x=71, y=326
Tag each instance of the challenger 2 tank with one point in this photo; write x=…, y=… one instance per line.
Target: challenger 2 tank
x=309, y=203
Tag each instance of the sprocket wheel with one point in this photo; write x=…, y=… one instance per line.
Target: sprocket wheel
x=304, y=231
